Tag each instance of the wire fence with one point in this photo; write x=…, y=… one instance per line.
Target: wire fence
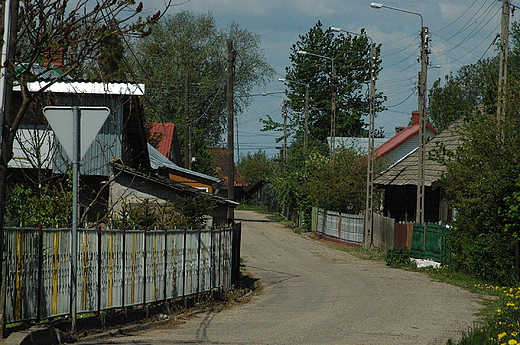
x=116, y=268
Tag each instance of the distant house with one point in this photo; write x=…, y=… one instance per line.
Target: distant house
x=404, y=141
x=400, y=182
x=220, y=155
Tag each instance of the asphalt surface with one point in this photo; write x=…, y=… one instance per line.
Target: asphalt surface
x=316, y=294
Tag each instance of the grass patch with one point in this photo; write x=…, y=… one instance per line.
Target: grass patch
x=263, y=209
x=366, y=254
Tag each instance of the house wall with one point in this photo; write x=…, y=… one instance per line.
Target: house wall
x=191, y=182
x=408, y=146
x=134, y=189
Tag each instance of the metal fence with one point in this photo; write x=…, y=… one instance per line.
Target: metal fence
x=116, y=268
x=350, y=228
x=345, y=227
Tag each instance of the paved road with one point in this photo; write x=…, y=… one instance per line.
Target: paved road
x=315, y=294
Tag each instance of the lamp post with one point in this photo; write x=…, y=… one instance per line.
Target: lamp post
x=333, y=115
x=419, y=214
x=367, y=238
x=306, y=118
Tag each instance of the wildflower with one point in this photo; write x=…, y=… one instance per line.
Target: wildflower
x=512, y=342
x=501, y=335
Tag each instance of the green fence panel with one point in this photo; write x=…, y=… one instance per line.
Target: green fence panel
x=429, y=242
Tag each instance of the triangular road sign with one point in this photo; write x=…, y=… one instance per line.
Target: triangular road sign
x=61, y=121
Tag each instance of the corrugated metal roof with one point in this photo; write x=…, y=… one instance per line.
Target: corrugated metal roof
x=166, y=130
x=97, y=88
x=404, y=172
x=157, y=161
x=357, y=143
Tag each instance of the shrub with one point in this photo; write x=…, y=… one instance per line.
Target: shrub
x=398, y=257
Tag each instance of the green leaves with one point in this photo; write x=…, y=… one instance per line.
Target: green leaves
x=336, y=72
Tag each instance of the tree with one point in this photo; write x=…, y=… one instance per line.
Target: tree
x=256, y=167
x=351, y=56
x=473, y=87
x=482, y=174
x=183, y=63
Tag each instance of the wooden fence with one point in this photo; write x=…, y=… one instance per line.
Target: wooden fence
x=116, y=268
x=429, y=242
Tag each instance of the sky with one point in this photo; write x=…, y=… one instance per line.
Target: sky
x=462, y=32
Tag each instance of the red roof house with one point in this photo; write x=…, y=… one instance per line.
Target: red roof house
x=405, y=141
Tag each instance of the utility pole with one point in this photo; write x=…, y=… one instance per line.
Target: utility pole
x=306, y=121
x=284, y=114
x=333, y=117
x=230, y=129
x=370, y=164
x=419, y=216
x=502, y=63
x=187, y=125
x=9, y=26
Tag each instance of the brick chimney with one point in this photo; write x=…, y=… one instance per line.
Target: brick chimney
x=54, y=58
x=415, y=117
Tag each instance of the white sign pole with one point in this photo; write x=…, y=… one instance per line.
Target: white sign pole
x=59, y=119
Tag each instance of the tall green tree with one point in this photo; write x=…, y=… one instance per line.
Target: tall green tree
x=482, y=174
x=257, y=167
x=351, y=57
x=183, y=63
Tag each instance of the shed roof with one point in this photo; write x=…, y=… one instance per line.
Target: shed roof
x=158, y=161
x=404, y=171
x=174, y=185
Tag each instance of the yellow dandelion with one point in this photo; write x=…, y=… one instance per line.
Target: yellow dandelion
x=512, y=342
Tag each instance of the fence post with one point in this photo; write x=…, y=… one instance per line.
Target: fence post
x=123, y=269
x=40, y=274
x=165, y=271
x=99, y=262
x=145, y=252
x=184, y=264
x=235, y=267
x=199, y=245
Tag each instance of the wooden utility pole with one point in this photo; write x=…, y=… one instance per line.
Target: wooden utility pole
x=230, y=129
x=502, y=63
x=187, y=125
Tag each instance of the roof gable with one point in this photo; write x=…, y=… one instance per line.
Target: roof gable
x=400, y=138
x=404, y=171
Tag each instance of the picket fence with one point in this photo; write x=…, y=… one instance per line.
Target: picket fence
x=116, y=268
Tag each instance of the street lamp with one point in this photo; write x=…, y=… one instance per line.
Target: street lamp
x=370, y=164
x=306, y=121
x=333, y=116
x=419, y=216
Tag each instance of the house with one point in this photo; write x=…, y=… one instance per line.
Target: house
x=38, y=157
x=38, y=154
x=132, y=185
x=400, y=182
x=220, y=155
x=404, y=141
